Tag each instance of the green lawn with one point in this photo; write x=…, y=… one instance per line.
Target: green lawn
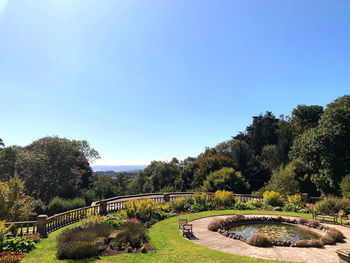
x=165, y=237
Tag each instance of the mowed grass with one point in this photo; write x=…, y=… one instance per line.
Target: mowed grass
x=165, y=238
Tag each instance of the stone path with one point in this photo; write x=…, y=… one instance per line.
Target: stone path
x=217, y=241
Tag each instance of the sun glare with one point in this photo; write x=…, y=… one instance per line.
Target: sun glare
x=3, y=4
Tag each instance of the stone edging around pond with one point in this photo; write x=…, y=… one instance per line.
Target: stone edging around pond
x=331, y=237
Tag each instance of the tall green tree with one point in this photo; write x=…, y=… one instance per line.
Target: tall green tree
x=8, y=158
x=263, y=131
x=52, y=166
x=90, y=153
x=305, y=117
x=225, y=179
x=326, y=148
x=15, y=204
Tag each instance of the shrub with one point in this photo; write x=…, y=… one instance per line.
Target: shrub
x=331, y=205
x=304, y=211
x=302, y=243
x=226, y=178
x=241, y=206
x=77, y=250
x=302, y=220
x=336, y=235
x=34, y=237
x=277, y=208
x=142, y=209
x=295, y=200
x=255, y=204
x=224, y=199
x=181, y=204
x=88, y=233
x=259, y=240
x=291, y=208
x=131, y=234
x=4, y=231
x=11, y=257
x=273, y=198
x=344, y=204
x=328, y=240
x=18, y=244
x=313, y=223
x=316, y=243
x=201, y=199
x=214, y=225
x=58, y=205
x=328, y=205
x=345, y=186
x=309, y=243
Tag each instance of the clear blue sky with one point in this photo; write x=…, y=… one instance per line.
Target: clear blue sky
x=148, y=80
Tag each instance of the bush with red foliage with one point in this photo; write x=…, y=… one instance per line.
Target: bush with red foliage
x=11, y=257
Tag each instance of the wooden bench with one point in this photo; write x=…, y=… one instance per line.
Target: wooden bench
x=184, y=227
x=323, y=217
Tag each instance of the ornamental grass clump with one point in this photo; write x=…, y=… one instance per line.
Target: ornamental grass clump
x=336, y=235
x=259, y=240
x=217, y=224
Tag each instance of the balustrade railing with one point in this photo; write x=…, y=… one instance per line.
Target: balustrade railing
x=22, y=228
x=45, y=225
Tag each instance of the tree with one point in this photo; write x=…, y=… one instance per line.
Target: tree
x=51, y=167
x=158, y=176
x=305, y=117
x=270, y=157
x=283, y=181
x=238, y=151
x=326, y=148
x=90, y=154
x=285, y=138
x=8, y=158
x=262, y=132
x=14, y=205
x=345, y=186
x=225, y=179
x=1, y=143
x=209, y=164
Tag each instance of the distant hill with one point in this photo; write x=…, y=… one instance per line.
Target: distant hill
x=118, y=168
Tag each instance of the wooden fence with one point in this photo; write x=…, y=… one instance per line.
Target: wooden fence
x=45, y=225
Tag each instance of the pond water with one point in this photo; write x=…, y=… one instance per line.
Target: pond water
x=277, y=232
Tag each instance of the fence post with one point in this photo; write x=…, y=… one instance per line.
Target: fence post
x=166, y=197
x=103, y=208
x=41, y=225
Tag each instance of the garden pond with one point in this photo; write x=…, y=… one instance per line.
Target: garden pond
x=275, y=231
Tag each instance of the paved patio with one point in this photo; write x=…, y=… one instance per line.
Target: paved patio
x=217, y=241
